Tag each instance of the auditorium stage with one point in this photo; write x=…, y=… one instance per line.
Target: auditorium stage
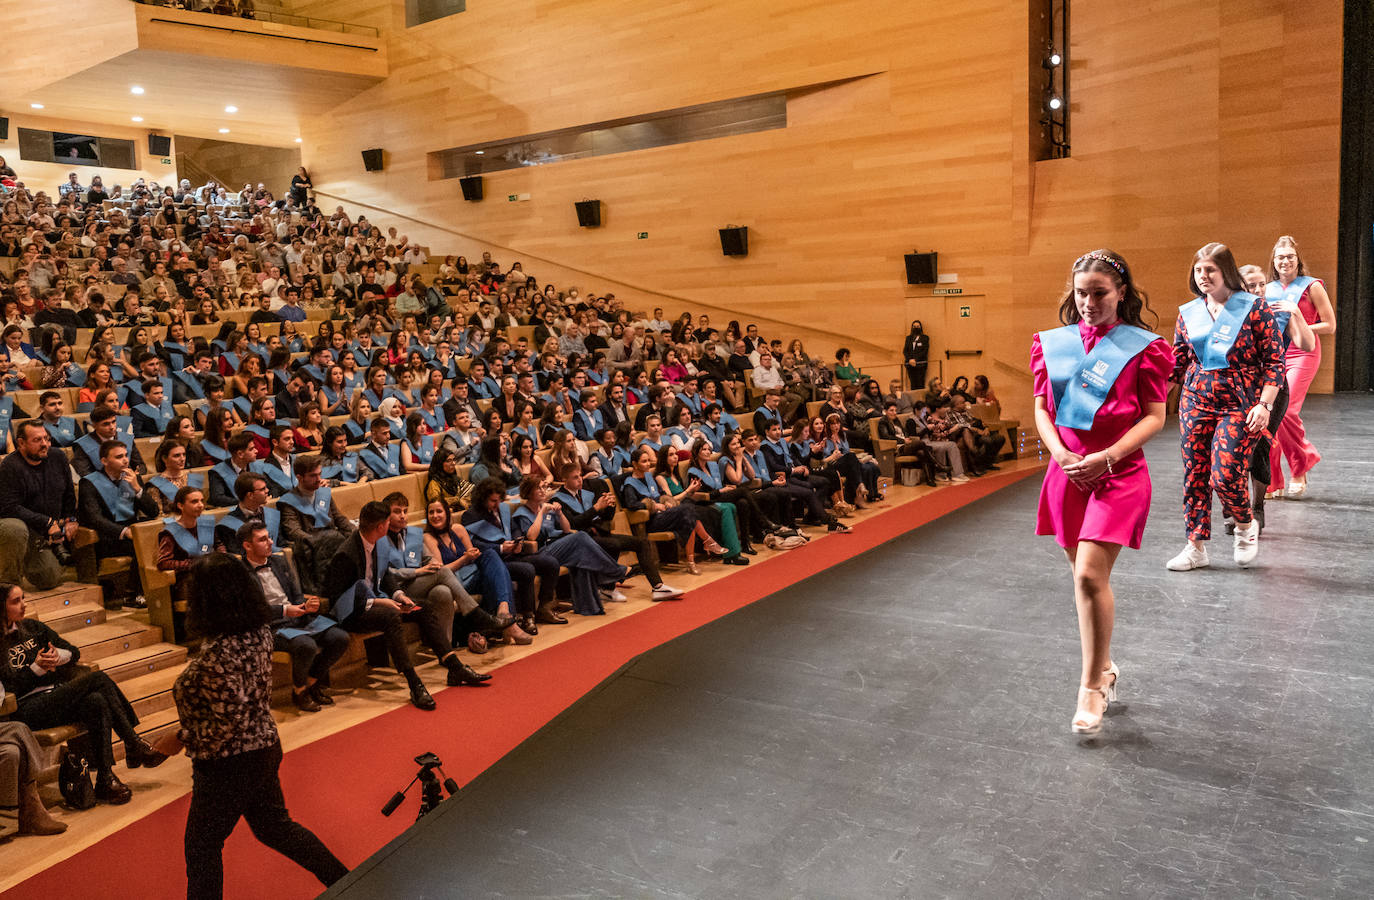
x=898, y=726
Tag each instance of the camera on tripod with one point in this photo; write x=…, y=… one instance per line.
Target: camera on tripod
x=432, y=789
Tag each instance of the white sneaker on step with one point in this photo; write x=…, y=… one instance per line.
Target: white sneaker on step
x=667, y=592
x=1191, y=558
x=1247, y=544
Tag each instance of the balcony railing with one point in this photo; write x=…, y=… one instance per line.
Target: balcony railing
x=245, y=9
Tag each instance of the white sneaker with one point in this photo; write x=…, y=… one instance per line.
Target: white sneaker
x=1191, y=558
x=617, y=596
x=667, y=592
x=1247, y=544
x=960, y=479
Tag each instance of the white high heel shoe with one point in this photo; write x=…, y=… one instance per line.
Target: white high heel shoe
x=1295, y=490
x=1110, y=687
x=1085, y=721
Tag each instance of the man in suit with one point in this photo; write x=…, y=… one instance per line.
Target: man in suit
x=614, y=410
x=353, y=581
x=314, y=641
x=461, y=400
x=110, y=500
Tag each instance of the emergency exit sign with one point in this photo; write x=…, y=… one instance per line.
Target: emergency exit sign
x=643, y=236
x=941, y=292
x=964, y=312
x=166, y=161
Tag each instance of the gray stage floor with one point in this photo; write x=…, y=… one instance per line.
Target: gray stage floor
x=898, y=727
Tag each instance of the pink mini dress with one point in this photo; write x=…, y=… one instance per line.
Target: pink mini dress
x=1115, y=510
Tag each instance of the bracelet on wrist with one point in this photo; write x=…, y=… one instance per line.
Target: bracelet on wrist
x=1108, y=457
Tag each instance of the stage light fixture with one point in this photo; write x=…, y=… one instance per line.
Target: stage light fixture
x=1055, y=103
x=298, y=140
x=136, y=89
x=480, y=152
x=135, y=118
x=224, y=131
x=35, y=106
x=231, y=109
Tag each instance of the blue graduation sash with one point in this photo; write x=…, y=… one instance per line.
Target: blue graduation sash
x=192, y=383
x=281, y=375
x=197, y=544
x=843, y=446
x=160, y=415
x=425, y=452
x=176, y=354
x=770, y=415
x=331, y=396
x=614, y=462
x=346, y=469
x=644, y=486
x=169, y=490
x=232, y=359
x=76, y=376
x=256, y=430
x=679, y=431
x=523, y=518
x=386, y=468
x=62, y=432
x=579, y=504
x=353, y=430
x=590, y=422
x=410, y=554
x=312, y=625
x=652, y=445
x=312, y=370
x=485, y=530
x=89, y=443
x=760, y=464
x=710, y=476
x=487, y=388
x=270, y=517
x=274, y=474
x=1081, y=381
x=214, y=451
x=225, y=471
x=317, y=506
x=6, y=414
x=596, y=377
x=434, y=420
x=1212, y=339
x=364, y=356
x=244, y=408
x=118, y=496
x=693, y=403
x=715, y=434
x=1275, y=293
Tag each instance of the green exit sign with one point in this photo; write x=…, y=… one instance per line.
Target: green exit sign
x=643, y=235
x=166, y=161
x=511, y=198
x=964, y=312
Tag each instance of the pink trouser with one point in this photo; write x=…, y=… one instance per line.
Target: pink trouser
x=1291, y=441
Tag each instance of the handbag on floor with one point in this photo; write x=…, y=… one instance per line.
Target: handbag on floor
x=75, y=782
x=911, y=476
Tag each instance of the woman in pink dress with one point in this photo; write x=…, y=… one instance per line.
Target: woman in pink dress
x=1100, y=386
x=1290, y=282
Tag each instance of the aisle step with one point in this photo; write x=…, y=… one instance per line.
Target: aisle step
x=111, y=637
x=43, y=604
x=80, y=615
x=142, y=660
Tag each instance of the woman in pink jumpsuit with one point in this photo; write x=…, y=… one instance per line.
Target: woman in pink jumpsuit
x=1290, y=281
x=1100, y=388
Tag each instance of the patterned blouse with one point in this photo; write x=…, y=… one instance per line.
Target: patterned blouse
x=223, y=696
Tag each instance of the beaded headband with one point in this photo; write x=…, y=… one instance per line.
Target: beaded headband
x=1109, y=260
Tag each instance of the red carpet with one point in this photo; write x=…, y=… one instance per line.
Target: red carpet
x=337, y=785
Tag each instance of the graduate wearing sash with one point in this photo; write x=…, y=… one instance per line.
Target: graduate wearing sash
x=1291, y=284
x=1228, y=355
x=181, y=542
x=150, y=418
x=63, y=432
x=1100, y=386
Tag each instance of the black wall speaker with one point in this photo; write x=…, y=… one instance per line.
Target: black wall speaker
x=159, y=145
x=589, y=213
x=920, y=268
x=4, y=128
x=734, y=241
x=472, y=187
x=372, y=160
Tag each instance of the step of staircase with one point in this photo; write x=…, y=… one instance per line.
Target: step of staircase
x=43, y=604
x=142, y=660
x=152, y=692
x=76, y=616
x=113, y=636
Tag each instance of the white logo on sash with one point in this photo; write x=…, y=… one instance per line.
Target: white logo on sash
x=1101, y=367
x=1224, y=330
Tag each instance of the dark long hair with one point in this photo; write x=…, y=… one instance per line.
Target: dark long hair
x=225, y=597
x=1221, y=256
x=1134, y=301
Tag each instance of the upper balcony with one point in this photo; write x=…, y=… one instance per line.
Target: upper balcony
x=275, y=68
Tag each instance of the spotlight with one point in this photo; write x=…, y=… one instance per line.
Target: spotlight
x=135, y=90
x=224, y=131
x=136, y=119
x=1056, y=103
x=1053, y=60
x=35, y=106
x=231, y=109
x=298, y=140
x=480, y=152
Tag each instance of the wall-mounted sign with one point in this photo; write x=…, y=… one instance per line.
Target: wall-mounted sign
x=643, y=235
x=964, y=312
x=940, y=292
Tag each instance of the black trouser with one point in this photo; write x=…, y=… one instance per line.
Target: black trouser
x=751, y=518
x=916, y=376
x=616, y=544
x=312, y=655
x=246, y=786
x=776, y=504
x=847, y=467
x=432, y=632
x=388, y=622
x=91, y=699
x=523, y=569
x=804, y=489
x=1259, y=461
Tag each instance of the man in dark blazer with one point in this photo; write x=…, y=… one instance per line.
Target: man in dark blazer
x=314, y=641
x=353, y=582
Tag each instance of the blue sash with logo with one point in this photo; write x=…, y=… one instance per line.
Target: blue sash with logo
x=435, y=420
x=645, y=486
x=760, y=464
x=579, y=504
x=118, y=496
x=345, y=469
x=89, y=443
x=312, y=370
x=1275, y=293
x=710, y=476
x=693, y=403
x=410, y=554
x=6, y=414
x=169, y=490
x=385, y=468
x=1081, y=381
x=425, y=451
x=1212, y=339
x=715, y=434
x=314, y=624
x=197, y=544
x=354, y=430
x=62, y=432
x=317, y=506
x=269, y=516
x=244, y=408
x=614, y=462
x=274, y=474
x=523, y=518
x=160, y=416
x=176, y=354
x=485, y=530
